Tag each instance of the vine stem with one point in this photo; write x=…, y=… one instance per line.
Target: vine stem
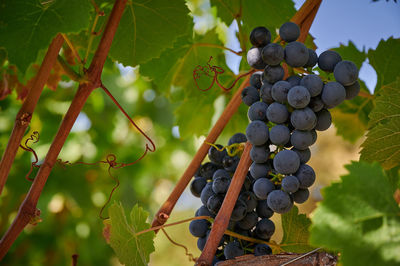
x=224, y=214
x=28, y=210
x=24, y=115
x=163, y=213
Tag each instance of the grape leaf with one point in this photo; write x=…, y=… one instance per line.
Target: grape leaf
x=147, y=28
x=359, y=218
x=130, y=249
x=383, y=139
x=385, y=59
x=32, y=25
x=295, y=231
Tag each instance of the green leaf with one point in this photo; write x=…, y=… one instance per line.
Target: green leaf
x=383, y=139
x=130, y=249
x=147, y=28
x=359, y=218
x=29, y=26
x=295, y=232
x=385, y=59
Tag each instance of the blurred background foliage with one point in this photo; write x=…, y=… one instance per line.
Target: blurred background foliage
x=161, y=98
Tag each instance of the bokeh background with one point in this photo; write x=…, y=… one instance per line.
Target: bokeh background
x=73, y=195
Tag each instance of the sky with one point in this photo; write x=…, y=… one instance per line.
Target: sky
x=363, y=22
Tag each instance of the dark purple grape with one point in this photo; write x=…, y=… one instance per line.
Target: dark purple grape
x=265, y=228
x=279, y=201
x=260, y=36
x=286, y=162
x=313, y=83
x=346, y=73
x=254, y=58
x=258, y=111
x=324, y=120
x=328, y=60
x=216, y=155
x=296, y=54
x=259, y=154
x=273, y=74
x=298, y=97
x=250, y=95
x=289, y=31
x=272, y=54
x=301, y=195
x=352, y=90
x=262, y=187
x=197, y=185
x=333, y=94
x=312, y=58
x=303, y=119
x=265, y=93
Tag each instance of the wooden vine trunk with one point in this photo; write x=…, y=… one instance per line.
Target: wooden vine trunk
x=304, y=18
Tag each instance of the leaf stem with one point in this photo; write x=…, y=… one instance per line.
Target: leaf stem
x=72, y=47
x=365, y=94
x=218, y=46
x=69, y=71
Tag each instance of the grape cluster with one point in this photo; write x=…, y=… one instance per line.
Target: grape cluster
x=284, y=116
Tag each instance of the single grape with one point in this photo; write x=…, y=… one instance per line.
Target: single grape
x=237, y=138
x=201, y=243
x=249, y=221
x=250, y=199
x=305, y=175
x=233, y=250
x=258, y=111
x=239, y=211
x=301, y=195
x=296, y=54
x=279, y=135
x=298, y=97
x=203, y=211
x=250, y=95
x=346, y=73
x=255, y=79
x=289, y=31
x=286, y=162
x=265, y=93
x=216, y=155
x=328, y=60
x=206, y=193
x=262, y=249
x=316, y=104
x=265, y=228
x=272, y=54
x=277, y=113
x=258, y=170
x=304, y=155
x=198, y=228
x=221, y=173
x=262, y=187
x=273, y=74
x=214, y=203
x=259, y=154
x=333, y=94
x=254, y=58
x=207, y=170
x=301, y=139
x=324, y=120
x=257, y=133
x=314, y=136
x=280, y=91
x=260, y=36
x=294, y=80
x=352, y=90
x=263, y=210
x=230, y=163
x=312, y=58
x=303, y=119
x=197, y=186
x=221, y=185
x=279, y=201
x=290, y=184
x=313, y=83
